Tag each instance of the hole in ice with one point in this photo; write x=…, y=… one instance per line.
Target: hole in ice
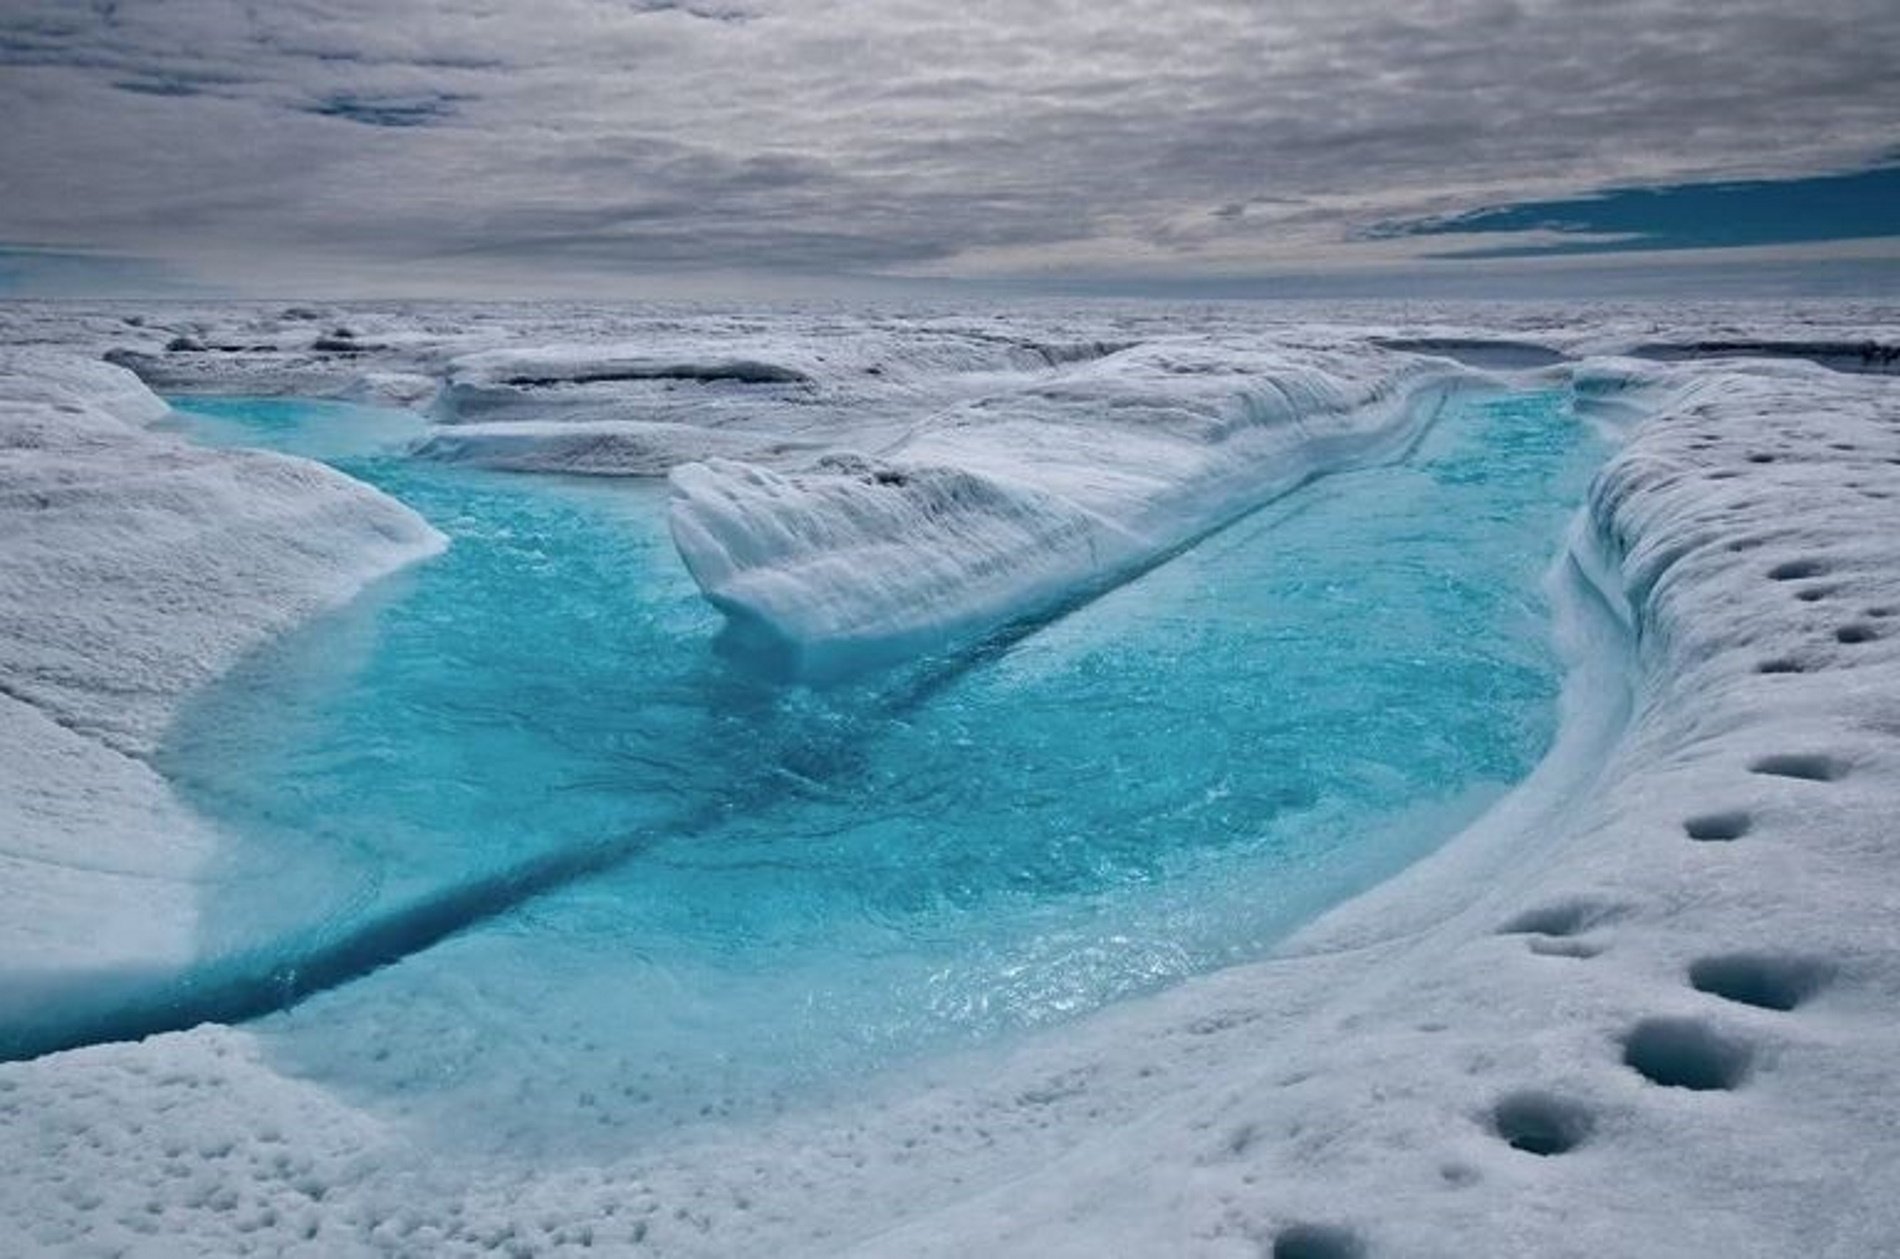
x=1880, y=613
x=1686, y=1053
x=1794, y=570
x=1782, y=664
x=1852, y=634
x=1718, y=826
x=1814, y=594
x=1542, y=1124
x=1317, y=1241
x=1564, y=918
x=1761, y=457
x=1769, y=980
x=1807, y=766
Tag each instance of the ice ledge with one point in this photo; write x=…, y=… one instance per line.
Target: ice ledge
x=1003, y=508
x=139, y=566
x=135, y=568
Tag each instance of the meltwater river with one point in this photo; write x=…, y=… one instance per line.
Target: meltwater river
x=684, y=891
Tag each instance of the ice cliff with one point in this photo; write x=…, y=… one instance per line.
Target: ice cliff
x=1004, y=507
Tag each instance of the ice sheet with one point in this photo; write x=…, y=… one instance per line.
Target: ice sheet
x=1553, y=979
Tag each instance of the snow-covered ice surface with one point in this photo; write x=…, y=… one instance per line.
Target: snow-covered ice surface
x=1645, y=1007
x=133, y=568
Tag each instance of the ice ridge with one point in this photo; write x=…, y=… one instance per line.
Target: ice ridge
x=1003, y=508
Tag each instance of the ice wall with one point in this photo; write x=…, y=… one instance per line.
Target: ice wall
x=134, y=568
x=1006, y=506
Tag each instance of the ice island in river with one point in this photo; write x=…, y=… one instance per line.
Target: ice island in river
x=288, y=971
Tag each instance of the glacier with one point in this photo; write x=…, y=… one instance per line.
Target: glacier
x=1643, y=1006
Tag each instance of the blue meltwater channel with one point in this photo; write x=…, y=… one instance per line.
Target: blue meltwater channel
x=803, y=885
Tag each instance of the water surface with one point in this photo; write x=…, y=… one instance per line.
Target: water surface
x=807, y=884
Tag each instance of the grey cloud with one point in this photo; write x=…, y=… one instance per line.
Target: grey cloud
x=889, y=134
x=175, y=81
x=161, y=85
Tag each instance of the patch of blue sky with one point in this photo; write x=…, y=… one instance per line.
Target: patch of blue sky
x=1855, y=205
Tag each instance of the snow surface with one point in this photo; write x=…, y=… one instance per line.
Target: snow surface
x=134, y=568
x=1644, y=1007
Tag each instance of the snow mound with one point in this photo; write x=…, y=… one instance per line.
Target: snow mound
x=45, y=380
x=1001, y=508
x=135, y=568
x=139, y=566
x=771, y=379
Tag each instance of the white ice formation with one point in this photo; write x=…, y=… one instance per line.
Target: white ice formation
x=1001, y=508
x=134, y=568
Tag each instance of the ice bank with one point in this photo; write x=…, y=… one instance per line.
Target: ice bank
x=135, y=568
x=1656, y=1020
x=1004, y=507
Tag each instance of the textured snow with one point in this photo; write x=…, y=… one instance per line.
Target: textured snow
x=769, y=391
x=1643, y=1008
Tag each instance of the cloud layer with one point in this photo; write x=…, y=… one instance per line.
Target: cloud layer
x=570, y=138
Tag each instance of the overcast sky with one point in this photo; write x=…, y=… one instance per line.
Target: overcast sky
x=560, y=145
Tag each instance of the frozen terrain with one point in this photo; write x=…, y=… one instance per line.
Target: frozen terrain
x=1642, y=1006
x=1003, y=507
x=135, y=568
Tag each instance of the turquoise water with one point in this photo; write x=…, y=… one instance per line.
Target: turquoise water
x=778, y=888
